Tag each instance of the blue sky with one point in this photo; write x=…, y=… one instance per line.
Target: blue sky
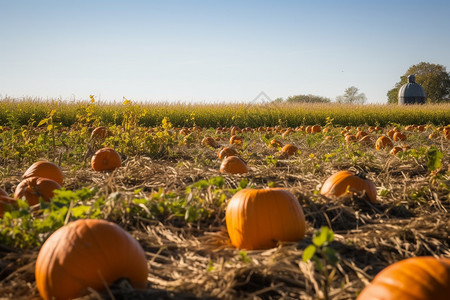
x=215, y=51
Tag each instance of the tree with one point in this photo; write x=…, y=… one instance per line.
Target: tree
x=307, y=99
x=352, y=96
x=432, y=77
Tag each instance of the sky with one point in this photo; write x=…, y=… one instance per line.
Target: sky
x=215, y=51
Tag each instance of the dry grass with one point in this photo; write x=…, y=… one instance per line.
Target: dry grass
x=195, y=260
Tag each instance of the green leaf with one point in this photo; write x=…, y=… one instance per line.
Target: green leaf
x=309, y=252
x=325, y=235
x=243, y=183
x=80, y=211
x=244, y=256
x=434, y=157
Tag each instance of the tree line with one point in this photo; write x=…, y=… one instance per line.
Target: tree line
x=434, y=79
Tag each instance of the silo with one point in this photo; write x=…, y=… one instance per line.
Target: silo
x=411, y=92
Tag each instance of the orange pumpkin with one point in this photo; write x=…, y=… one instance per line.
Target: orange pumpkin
x=236, y=140
x=44, y=169
x=34, y=188
x=259, y=218
x=360, y=134
x=350, y=138
x=383, y=142
x=225, y=152
x=88, y=254
x=396, y=150
x=289, y=149
x=345, y=182
x=275, y=144
x=233, y=165
x=106, y=159
x=316, y=129
x=399, y=136
x=100, y=133
x=417, y=278
x=209, y=141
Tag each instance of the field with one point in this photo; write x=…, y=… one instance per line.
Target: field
x=171, y=197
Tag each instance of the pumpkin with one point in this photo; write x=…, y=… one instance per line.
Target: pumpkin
x=233, y=165
x=396, y=150
x=360, y=134
x=416, y=278
x=383, y=142
x=100, y=133
x=44, y=169
x=399, y=136
x=106, y=159
x=34, y=188
x=316, y=129
x=209, y=141
x=5, y=203
x=420, y=128
x=286, y=133
x=289, y=149
x=343, y=183
x=350, y=138
x=235, y=140
x=225, y=152
x=275, y=143
x=88, y=254
x=259, y=218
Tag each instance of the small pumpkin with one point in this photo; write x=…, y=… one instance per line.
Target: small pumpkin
x=106, y=159
x=399, y=136
x=100, y=133
x=360, y=134
x=44, y=169
x=236, y=140
x=345, y=182
x=416, y=278
x=259, y=218
x=34, y=188
x=88, y=254
x=289, y=149
x=233, y=165
x=209, y=141
x=225, y=152
x=316, y=129
x=350, y=138
x=383, y=142
x=275, y=143
x=396, y=150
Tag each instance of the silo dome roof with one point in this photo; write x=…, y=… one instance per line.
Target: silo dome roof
x=411, y=89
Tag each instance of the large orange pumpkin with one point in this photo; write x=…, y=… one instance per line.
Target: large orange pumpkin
x=346, y=182
x=44, y=169
x=34, y=188
x=88, y=254
x=417, y=278
x=106, y=159
x=233, y=165
x=259, y=218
